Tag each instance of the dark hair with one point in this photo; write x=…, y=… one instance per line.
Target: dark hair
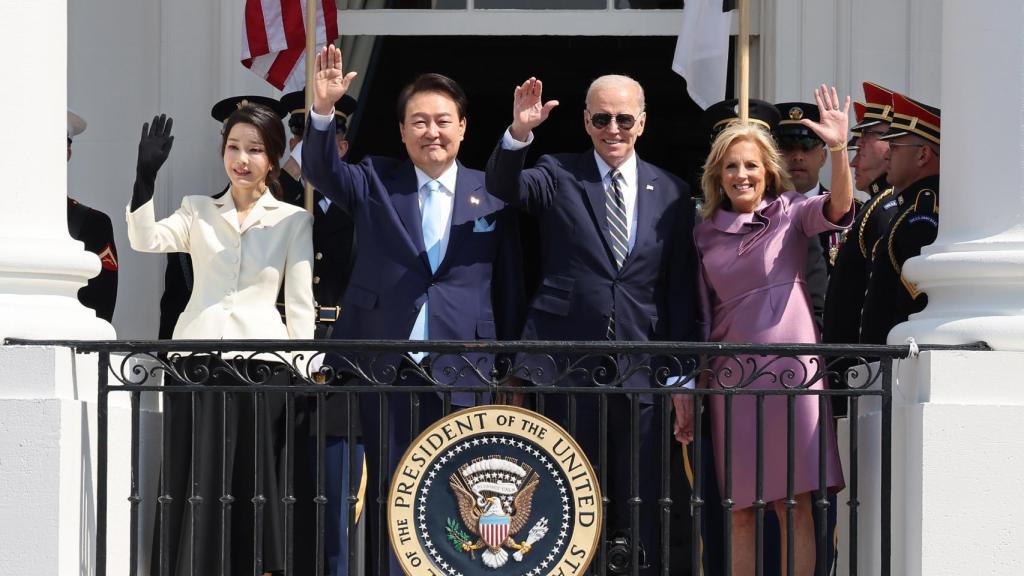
x=268, y=125
x=297, y=123
x=432, y=83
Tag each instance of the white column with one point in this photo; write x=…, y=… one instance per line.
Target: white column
x=41, y=267
x=974, y=272
x=956, y=416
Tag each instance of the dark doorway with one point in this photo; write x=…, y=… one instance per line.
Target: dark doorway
x=489, y=67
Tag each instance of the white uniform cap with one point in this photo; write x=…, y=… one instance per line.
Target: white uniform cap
x=76, y=124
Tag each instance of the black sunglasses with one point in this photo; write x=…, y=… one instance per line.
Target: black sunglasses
x=601, y=120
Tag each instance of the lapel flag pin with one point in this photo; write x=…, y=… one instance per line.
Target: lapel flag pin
x=474, y=200
x=650, y=186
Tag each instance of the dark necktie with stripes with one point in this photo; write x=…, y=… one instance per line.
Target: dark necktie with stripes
x=615, y=206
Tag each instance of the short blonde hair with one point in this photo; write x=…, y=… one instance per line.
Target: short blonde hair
x=777, y=181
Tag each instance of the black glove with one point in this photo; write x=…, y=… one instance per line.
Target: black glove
x=154, y=148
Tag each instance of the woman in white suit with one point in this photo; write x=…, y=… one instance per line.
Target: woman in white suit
x=244, y=244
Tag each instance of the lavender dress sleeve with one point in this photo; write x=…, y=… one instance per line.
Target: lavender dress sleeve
x=808, y=214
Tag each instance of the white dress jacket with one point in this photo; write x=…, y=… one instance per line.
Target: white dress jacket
x=238, y=269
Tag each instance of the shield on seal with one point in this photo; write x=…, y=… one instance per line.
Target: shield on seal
x=494, y=529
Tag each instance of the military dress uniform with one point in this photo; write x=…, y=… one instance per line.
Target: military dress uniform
x=852, y=266
x=891, y=298
x=850, y=273
x=334, y=241
x=93, y=228
x=790, y=132
x=334, y=248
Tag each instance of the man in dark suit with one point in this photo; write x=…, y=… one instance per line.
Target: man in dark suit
x=93, y=229
x=438, y=256
x=618, y=264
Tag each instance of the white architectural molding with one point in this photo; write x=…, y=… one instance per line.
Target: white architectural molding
x=895, y=43
x=957, y=468
x=960, y=482
x=482, y=22
x=974, y=272
x=48, y=463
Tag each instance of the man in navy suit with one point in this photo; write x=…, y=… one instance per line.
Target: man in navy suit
x=618, y=264
x=438, y=256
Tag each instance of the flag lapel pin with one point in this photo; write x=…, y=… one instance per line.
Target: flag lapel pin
x=650, y=187
x=474, y=200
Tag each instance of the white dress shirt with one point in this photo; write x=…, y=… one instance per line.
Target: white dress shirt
x=813, y=191
x=627, y=185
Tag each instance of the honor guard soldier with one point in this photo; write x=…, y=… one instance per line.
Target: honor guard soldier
x=850, y=272
x=805, y=156
x=334, y=246
x=93, y=229
x=913, y=157
x=178, y=277
x=334, y=242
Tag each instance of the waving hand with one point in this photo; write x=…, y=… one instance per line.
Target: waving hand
x=834, y=126
x=154, y=148
x=330, y=82
x=528, y=111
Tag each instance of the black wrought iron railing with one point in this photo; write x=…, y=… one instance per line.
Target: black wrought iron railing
x=573, y=383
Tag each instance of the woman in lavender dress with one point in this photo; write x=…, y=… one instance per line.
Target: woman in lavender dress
x=752, y=246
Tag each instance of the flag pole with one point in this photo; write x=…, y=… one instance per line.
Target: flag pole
x=743, y=45
x=311, y=6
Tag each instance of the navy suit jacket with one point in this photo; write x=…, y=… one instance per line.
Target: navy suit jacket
x=476, y=292
x=653, y=295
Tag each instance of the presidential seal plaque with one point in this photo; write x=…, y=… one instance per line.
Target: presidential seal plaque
x=497, y=491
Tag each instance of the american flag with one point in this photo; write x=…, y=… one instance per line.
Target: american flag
x=274, y=39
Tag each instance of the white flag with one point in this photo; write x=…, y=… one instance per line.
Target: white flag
x=702, y=50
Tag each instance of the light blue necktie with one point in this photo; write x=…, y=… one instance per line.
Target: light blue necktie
x=433, y=224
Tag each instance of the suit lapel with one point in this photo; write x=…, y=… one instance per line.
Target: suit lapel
x=402, y=189
x=646, y=212
x=226, y=207
x=590, y=179
x=467, y=206
x=258, y=211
